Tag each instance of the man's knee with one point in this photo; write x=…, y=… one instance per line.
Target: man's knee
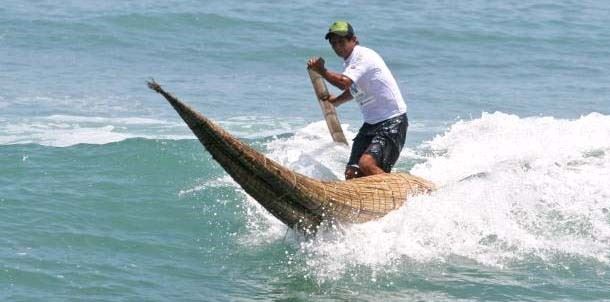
x=367, y=160
x=368, y=165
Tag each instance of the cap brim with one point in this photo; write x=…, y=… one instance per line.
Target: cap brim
x=340, y=34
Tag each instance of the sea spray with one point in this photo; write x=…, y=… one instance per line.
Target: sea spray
x=537, y=192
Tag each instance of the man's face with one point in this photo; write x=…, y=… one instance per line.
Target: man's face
x=342, y=46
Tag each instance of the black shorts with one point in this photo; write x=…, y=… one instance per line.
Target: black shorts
x=383, y=140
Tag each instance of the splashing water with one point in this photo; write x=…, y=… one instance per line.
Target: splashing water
x=510, y=190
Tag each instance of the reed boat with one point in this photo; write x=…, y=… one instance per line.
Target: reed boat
x=301, y=202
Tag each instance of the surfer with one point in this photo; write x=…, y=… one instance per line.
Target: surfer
x=367, y=79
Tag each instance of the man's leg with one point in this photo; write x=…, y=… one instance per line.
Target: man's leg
x=368, y=165
x=360, y=144
x=385, y=147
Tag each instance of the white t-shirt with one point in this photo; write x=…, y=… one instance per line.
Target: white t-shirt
x=374, y=88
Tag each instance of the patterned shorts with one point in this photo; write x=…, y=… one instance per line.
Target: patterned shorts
x=383, y=140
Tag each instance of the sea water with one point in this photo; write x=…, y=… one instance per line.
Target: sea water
x=105, y=195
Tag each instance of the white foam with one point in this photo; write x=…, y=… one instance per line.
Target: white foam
x=540, y=191
x=61, y=136
x=68, y=130
x=259, y=126
x=95, y=119
x=312, y=152
x=470, y=147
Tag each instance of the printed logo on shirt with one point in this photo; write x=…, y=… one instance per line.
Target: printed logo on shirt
x=361, y=98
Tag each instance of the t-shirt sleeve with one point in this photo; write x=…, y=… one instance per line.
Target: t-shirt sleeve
x=355, y=69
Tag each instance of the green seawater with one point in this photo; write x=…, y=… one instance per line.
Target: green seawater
x=157, y=220
x=109, y=221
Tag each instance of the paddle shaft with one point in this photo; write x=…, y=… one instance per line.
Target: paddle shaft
x=328, y=109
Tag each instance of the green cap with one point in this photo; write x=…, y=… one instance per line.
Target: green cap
x=340, y=28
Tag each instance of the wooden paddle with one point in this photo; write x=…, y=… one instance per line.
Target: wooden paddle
x=328, y=109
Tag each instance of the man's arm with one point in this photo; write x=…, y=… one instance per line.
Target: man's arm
x=336, y=79
x=340, y=99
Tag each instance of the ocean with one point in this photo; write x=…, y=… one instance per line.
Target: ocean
x=105, y=194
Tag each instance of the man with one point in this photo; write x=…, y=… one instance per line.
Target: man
x=367, y=79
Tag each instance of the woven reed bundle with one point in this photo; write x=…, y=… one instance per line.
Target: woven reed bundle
x=300, y=202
